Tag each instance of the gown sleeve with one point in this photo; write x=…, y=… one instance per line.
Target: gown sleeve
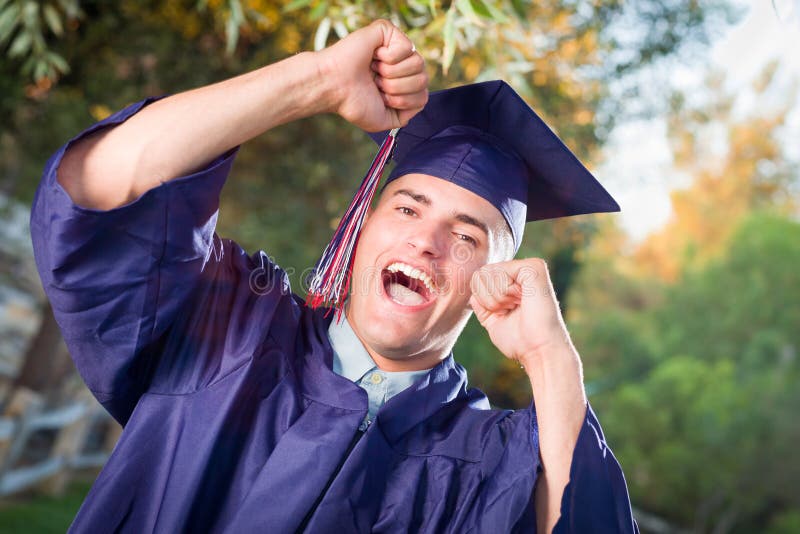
x=117, y=279
x=596, y=497
x=595, y=500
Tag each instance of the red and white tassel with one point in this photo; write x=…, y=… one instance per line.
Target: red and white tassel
x=330, y=282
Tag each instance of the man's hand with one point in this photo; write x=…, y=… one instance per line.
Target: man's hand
x=373, y=78
x=516, y=303
x=379, y=79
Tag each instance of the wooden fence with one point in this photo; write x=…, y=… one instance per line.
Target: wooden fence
x=41, y=448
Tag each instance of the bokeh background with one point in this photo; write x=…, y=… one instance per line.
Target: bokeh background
x=685, y=307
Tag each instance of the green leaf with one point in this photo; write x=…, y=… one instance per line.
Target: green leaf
x=38, y=44
x=321, y=35
x=236, y=12
x=465, y=7
x=58, y=62
x=231, y=35
x=53, y=19
x=40, y=70
x=318, y=11
x=30, y=15
x=28, y=66
x=432, y=7
x=521, y=8
x=414, y=17
x=417, y=7
x=294, y=5
x=71, y=8
x=493, y=12
x=449, y=39
x=21, y=45
x=481, y=9
x=340, y=29
x=9, y=19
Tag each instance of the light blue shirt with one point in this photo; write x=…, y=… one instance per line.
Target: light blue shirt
x=352, y=361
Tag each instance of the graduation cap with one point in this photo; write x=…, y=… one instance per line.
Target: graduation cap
x=486, y=139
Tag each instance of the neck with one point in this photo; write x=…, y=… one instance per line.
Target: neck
x=401, y=359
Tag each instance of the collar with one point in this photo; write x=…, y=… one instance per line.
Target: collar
x=440, y=386
x=352, y=361
x=350, y=358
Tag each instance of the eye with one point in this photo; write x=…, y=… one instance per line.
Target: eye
x=406, y=211
x=467, y=239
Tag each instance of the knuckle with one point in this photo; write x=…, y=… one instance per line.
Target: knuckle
x=388, y=85
x=536, y=264
x=394, y=101
x=400, y=101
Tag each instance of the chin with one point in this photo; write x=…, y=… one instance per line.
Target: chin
x=393, y=335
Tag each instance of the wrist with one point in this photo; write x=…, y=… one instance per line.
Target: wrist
x=325, y=70
x=554, y=346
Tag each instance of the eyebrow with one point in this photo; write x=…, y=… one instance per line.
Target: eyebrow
x=461, y=217
x=468, y=219
x=419, y=197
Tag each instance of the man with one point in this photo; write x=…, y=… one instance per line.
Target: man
x=239, y=404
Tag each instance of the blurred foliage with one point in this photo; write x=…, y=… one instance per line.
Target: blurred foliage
x=25, y=26
x=295, y=180
x=715, y=430
x=738, y=166
x=690, y=340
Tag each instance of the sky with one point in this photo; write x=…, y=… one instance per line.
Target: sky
x=637, y=168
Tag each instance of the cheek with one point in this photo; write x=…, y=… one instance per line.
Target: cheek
x=460, y=278
x=371, y=244
x=461, y=253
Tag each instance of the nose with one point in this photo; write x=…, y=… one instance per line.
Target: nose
x=427, y=241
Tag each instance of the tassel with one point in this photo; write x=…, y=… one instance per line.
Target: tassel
x=330, y=281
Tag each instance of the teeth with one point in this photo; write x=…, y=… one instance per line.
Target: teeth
x=411, y=272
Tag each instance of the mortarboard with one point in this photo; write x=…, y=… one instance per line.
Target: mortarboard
x=482, y=137
x=485, y=138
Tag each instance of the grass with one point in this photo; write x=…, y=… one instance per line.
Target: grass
x=42, y=515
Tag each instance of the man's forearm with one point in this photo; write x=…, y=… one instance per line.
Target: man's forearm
x=557, y=381
x=180, y=134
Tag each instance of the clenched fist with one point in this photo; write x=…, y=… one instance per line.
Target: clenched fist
x=378, y=77
x=515, y=301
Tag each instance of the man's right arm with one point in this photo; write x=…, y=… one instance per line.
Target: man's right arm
x=373, y=78
x=120, y=279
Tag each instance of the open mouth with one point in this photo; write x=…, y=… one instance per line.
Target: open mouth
x=407, y=285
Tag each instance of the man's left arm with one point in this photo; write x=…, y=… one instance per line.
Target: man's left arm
x=516, y=303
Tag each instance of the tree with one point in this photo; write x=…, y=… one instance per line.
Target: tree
x=751, y=172
x=712, y=445
x=689, y=341
x=559, y=54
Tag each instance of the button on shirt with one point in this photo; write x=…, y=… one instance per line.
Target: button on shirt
x=352, y=361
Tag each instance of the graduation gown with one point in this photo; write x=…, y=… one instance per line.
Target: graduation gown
x=233, y=419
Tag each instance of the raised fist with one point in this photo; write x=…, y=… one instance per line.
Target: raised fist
x=378, y=78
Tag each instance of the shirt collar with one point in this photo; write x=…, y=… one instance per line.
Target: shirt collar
x=350, y=359
x=443, y=384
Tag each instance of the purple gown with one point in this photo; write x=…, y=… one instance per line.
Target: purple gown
x=233, y=419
